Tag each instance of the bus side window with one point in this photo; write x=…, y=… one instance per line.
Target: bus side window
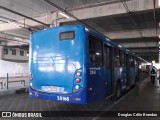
x=117, y=58
x=122, y=59
x=95, y=51
x=132, y=62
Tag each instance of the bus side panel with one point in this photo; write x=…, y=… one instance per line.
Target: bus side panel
x=120, y=70
x=109, y=84
x=95, y=77
x=132, y=76
x=96, y=84
x=120, y=76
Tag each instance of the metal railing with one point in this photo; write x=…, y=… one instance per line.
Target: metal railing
x=6, y=82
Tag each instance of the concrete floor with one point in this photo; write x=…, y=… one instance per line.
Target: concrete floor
x=144, y=97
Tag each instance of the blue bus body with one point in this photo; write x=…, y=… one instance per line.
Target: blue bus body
x=65, y=67
x=148, y=68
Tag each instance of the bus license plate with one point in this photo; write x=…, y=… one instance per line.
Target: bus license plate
x=49, y=88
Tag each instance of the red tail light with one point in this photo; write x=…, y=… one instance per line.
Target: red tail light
x=73, y=98
x=78, y=80
x=76, y=99
x=74, y=91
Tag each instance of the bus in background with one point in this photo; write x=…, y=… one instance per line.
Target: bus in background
x=145, y=68
x=79, y=65
x=148, y=68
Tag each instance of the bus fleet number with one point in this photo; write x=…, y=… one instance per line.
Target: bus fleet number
x=62, y=98
x=92, y=72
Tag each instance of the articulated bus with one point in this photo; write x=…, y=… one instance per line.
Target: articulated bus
x=78, y=65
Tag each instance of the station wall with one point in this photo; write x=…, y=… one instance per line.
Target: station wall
x=13, y=69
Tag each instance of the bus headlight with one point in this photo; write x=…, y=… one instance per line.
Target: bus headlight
x=30, y=79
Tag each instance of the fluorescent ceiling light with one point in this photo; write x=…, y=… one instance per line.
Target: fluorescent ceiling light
x=119, y=46
x=64, y=15
x=159, y=2
x=17, y=38
x=153, y=61
x=97, y=53
x=13, y=23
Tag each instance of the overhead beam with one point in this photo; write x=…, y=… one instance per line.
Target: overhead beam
x=151, y=57
x=86, y=13
x=47, y=19
x=133, y=34
x=17, y=13
x=111, y=9
x=137, y=40
x=15, y=35
x=148, y=54
x=140, y=45
x=14, y=40
x=146, y=50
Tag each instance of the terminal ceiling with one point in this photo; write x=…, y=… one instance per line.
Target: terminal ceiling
x=132, y=23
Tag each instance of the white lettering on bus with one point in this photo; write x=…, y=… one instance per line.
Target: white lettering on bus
x=92, y=72
x=60, y=98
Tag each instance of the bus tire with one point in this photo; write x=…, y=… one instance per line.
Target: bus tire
x=118, y=91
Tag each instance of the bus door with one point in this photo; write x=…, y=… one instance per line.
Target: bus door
x=127, y=71
x=108, y=68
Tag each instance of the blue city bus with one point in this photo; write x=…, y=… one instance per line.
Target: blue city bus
x=78, y=65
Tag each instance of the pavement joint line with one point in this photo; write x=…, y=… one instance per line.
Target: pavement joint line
x=115, y=103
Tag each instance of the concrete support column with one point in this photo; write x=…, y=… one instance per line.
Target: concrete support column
x=1, y=52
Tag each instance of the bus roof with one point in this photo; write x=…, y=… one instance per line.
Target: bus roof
x=94, y=32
